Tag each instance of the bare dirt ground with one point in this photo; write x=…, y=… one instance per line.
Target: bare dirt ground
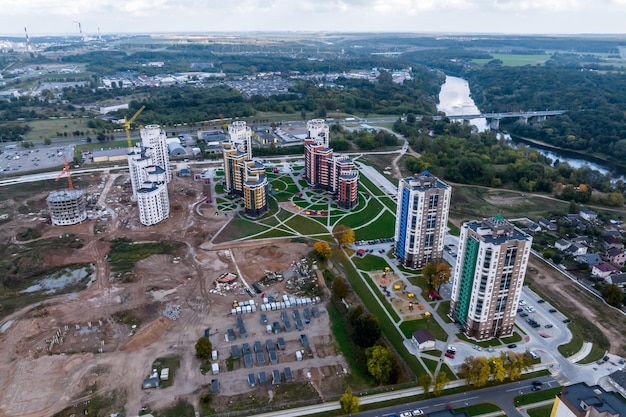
x=95, y=350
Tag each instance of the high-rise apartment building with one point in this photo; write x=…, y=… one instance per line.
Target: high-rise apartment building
x=421, y=219
x=488, y=277
x=327, y=171
x=243, y=176
x=149, y=174
x=241, y=136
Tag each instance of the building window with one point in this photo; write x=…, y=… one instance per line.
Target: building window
x=509, y=259
x=428, y=241
x=416, y=202
x=433, y=201
x=430, y=222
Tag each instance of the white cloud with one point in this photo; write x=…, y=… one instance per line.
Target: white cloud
x=78, y=8
x=538, y=5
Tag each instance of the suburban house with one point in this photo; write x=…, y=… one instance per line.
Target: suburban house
x=617, y=279
x=575, y=250
x=562, y=244
x=587, y=214
x=603, y=270
x=589, y=259
x=611, y=241
x=532, y=226
x=615, y=256
x=547, y=224
x=582, y=241
x=423, y=340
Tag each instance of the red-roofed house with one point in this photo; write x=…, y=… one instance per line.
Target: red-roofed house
x=603, y=270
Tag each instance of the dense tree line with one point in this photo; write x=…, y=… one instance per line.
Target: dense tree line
x=595, y=101
x=457, y=154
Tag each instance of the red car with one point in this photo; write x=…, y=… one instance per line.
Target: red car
x=449, y=355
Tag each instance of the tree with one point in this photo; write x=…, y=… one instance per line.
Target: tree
x=340, y=288
x=437, y=274
x=204, y=347
x=380, y=363
x=365, y=330
x=101, y=137
x=343, y=234
x=425, y=382
x=322, y=250
x=441, y=380
x=497, y=368
x=47, y=141
x=349, y=403
x=613, y=295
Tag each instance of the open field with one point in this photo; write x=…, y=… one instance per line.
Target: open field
x=515, y=60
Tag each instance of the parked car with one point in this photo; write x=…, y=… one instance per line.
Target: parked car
x=449, y=355
x=418, y=412
x=566, y=321
x=512, y=346
x=537, y=383
x=548, y=326
x=536, y=388
x=476, y=347
x=541, y=300
x=524, y=315
x=552, y=310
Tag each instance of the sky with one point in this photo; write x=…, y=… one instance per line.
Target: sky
x=43, y=17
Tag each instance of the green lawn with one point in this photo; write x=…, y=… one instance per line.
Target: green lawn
x=430, y=364
x=383, y=227
x=596, y=353
x=239, y=228
x=342, y=338
x=443, y=310
x=535, y=397
x=42, y=129
x=306, y=226
x=369, y=185
x=428, y=323
x=479, y=409
x=370, y=263
x=96, y=146
x=124, y=254
x=543, y=411
x=388, y=328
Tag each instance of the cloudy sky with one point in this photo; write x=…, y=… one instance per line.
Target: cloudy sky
x=477, y=16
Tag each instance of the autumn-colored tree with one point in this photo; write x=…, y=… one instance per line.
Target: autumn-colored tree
x=425, y=381
x=497, y=368
x=343, y=234
x=441, y=380
x=349, y=403
x=380, y=363
x=322, y=250
x=437, y=274
x=340, y=288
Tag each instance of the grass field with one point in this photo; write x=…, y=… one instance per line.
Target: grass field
x=543, y=411
x=514, y=60
x=42, y=129
x=535, y=397
x=370, y=263
x=124, y=254
x=430, y=324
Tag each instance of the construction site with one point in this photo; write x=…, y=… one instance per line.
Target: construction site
x=81, y=318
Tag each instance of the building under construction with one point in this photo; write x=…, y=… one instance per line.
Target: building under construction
x=67, y=207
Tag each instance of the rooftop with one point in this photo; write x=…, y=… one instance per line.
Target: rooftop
x=582, y=396
x=424, y=181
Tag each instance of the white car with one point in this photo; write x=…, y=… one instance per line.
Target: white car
x=522, y=302
x=475, y=347
x=406, y=414
x=452, y=348
x=418, y=412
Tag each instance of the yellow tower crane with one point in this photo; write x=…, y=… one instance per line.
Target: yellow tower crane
x=128, y=122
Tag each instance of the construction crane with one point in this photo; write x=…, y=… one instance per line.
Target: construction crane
x=128, y=122
x=66, y=170
x=28, y=45
x=80, y=29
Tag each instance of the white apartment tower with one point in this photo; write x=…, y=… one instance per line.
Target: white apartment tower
x=149, y=174
x=318, y=132
x=488, y=277
x=421, y=219
x=154, y=138
x=241, y=136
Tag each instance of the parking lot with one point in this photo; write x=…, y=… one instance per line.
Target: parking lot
x=15, y=160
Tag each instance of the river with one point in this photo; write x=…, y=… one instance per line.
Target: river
x=455, y=99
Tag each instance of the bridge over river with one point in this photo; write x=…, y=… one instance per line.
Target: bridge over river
x=493, y=119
